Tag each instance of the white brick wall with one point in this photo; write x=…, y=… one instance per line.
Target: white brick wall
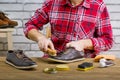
x=21, y=10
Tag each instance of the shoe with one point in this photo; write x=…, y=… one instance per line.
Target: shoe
x=11, y=23
x=70, y=55
x=2, y=15
x=3, y=24
x=17, y=59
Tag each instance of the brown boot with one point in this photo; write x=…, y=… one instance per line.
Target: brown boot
x=2, y=15
x=10, y=22
x=6, y=19
x=3, y=24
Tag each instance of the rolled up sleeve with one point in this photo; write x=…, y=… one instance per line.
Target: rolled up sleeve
x=103, y=34
x=38, y=19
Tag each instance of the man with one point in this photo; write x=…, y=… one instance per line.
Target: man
x=81, y=24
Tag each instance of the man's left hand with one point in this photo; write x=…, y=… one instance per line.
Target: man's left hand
x=80, y=45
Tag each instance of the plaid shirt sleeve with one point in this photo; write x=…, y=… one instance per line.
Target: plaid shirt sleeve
x=39, y=18
x=103, y=40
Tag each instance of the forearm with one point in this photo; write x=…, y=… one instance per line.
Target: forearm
x=35, y=35
x=43, y=41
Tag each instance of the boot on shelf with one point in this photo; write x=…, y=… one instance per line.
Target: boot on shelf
x=5, y=19
x=3, y=24
x=10, y=22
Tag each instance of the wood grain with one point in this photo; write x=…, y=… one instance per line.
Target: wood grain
x=8, y=72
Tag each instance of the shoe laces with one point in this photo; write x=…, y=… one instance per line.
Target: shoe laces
x=21, y=55
x=60, y=54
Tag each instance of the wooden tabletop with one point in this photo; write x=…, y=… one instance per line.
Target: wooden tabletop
x=8, y=72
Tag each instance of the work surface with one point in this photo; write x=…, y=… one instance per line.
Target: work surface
x=8, y=72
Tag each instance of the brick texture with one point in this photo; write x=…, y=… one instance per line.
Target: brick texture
x=21, y=11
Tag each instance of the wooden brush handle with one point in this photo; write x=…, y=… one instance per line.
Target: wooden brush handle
x=52, y=52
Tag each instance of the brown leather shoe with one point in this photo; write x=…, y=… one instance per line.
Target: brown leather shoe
x=2, y=15
x=70, y=55
x=3, y=24
x=11, y=23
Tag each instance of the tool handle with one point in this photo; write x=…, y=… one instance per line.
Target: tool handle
x=51, y=52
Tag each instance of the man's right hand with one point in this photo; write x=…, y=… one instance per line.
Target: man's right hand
x=45, y=43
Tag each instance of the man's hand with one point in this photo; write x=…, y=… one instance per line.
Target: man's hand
x=80, y=45
x=44, y=43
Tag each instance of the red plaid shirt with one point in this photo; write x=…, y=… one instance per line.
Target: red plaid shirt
x=89, y=20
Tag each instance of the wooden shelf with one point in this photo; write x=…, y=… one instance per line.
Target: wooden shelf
x=7, y=33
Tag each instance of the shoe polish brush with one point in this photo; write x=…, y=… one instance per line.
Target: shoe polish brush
x=51, y=52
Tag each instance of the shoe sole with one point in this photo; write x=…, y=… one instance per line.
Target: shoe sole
x=63, y=61
x=28, y=67
x=4, y=26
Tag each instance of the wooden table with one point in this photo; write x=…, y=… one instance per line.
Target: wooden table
x=7, y=33
x=110, y=73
